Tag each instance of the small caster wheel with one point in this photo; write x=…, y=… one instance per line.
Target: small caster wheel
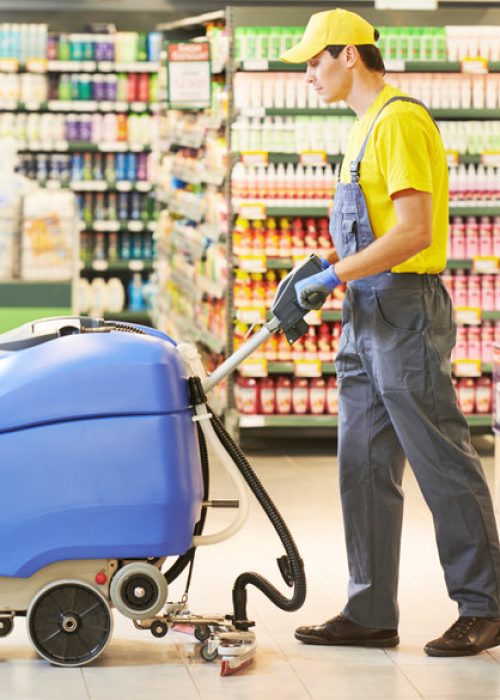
x=159, y=629
x=206, y=654
x=6, y=625
x=202, y=632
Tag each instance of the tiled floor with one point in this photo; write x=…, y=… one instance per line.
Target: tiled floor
x=303, y=482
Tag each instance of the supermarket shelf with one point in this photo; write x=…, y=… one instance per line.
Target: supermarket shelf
x=77, y=146
x=103, y=186
x=295, y=158
x=24, y=293
x=102, y=67
x=325, y=421
x=288, y=421
x=391, y=66
x=140, y=317
x=482, y=210
x=438, y=113
x=459, y=264
x=81, y=106
x=105, y=226
x=288, y=367
x=143, y=265
x=323, y=211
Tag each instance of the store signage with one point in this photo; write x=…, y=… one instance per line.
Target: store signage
x=188, y=75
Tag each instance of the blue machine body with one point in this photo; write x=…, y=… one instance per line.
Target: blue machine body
x=99, y=455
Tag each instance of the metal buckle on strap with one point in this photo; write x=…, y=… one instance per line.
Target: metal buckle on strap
x=354, y=170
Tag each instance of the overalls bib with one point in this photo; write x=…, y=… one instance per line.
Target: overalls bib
x=397, y=401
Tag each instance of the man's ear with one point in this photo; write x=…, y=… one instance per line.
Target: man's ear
x=351, y=55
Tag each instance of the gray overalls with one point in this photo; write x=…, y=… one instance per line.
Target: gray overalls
x=396, y=399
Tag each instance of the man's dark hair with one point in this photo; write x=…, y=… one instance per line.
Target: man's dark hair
x=370, y=54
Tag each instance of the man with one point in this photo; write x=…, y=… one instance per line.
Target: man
x=389, y=226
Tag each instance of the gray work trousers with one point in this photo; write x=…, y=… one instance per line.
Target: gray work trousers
x=396, y=399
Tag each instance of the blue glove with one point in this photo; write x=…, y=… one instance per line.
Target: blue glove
x=312, y=291
x=324, y=263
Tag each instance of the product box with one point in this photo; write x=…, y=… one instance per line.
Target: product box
x=48, y=236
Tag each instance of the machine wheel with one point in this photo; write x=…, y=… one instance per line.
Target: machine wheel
x=159, y=629
x=207, y=655
x=6, y=625
x=138, y=590
x=202, y=632
x=69, y=623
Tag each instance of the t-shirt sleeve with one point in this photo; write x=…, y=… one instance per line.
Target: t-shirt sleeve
x=403, y=153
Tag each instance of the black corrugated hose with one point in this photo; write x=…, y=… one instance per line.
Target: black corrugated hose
x=181, y=562
x=291, y=566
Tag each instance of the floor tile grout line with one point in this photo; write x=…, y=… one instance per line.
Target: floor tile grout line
x=87, y=689
x=400, y=670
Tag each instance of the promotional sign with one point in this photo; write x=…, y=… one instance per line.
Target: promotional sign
x=188, y=75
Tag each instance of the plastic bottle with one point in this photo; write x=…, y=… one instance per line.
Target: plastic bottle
x=300, y=396
x=248, y=395
x=317, y=396
x=283, y=390
x=466, y=395
x=267, y=396
x=484, y=395
x=135, y=295
x=332, y=397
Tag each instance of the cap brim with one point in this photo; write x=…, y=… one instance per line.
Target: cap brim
x=301, y=53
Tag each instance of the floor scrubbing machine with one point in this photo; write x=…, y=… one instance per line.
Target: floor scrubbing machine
x=104, y=428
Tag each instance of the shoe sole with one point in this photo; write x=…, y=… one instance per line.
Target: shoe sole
x=430, y=651
x=372, y=643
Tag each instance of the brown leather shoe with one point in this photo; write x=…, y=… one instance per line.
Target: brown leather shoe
x=466, y=637
x=340, y=631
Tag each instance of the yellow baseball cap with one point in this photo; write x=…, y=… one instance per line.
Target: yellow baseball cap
x=330, y=28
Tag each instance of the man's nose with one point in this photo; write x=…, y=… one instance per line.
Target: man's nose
x=308, y=76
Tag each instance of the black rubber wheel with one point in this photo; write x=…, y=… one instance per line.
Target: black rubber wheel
x=202, y=632
x=6, y=625
x=207, y=655
x=69, y=623
x=159, y=629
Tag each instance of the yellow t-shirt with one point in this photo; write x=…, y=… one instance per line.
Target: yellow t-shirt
x=404, y=150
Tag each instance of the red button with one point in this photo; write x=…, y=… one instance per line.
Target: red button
x=101, y=578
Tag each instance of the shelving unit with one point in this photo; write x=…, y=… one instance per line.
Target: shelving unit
x=306, y=209
x=103, y=171
x=193, y=195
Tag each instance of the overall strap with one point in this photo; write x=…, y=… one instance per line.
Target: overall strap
x=355, y=164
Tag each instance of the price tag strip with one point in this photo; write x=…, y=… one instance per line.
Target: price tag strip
x=313, y=158
x=477, y=66
x=467, y=368
x=254, y=368
x=252, y=210
x=307, y=368
x=254, y=157
x=252, y=263
x=485, y=264
x=468, y=315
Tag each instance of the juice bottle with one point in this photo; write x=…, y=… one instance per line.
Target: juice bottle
x=300, y=396
x=283, y=391
x=484, y=395
x=317, y=395
x=267, y=396
x=466, y=395
x=332, y=396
